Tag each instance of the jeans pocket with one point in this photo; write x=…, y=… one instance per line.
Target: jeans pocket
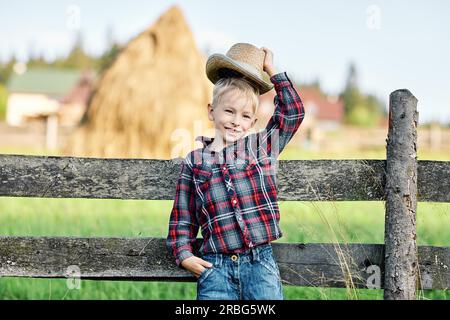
x=271, y=265
x=204, y=274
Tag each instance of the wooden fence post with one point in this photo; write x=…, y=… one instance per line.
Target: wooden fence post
x=401, y=258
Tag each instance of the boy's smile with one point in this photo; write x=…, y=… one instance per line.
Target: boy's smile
x=233, y=116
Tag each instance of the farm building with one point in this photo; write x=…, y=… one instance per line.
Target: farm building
x=323, y=113
x=39, y=94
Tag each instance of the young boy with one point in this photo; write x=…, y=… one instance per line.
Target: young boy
x=228, y=187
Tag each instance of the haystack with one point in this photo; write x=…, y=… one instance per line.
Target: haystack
x=147, y=102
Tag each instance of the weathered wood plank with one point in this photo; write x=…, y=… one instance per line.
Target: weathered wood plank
x=433, y=181
x=324, y=265
x=302, y=180
x=401, y=265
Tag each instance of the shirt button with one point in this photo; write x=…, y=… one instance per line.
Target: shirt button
x=224, y=168
x=239, y=218
x=234, y=201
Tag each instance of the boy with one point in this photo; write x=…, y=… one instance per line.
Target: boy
x=228, y=187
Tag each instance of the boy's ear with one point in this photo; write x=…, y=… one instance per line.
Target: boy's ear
x=210, y=112
x=254, y=121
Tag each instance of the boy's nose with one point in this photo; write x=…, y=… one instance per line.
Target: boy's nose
x=235, y=125
x=235, y=121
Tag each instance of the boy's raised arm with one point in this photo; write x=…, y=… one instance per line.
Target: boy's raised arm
x=287, y=117
x=183, y=225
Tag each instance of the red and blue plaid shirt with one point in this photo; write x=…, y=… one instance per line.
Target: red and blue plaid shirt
x=232, y=194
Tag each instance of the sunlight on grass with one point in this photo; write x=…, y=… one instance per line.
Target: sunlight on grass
x=301, y=222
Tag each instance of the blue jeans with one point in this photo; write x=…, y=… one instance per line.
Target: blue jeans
x=249, y=275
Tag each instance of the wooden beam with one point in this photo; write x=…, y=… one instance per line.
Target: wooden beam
x=401, y=198
x=147, y=259
x=298, y=180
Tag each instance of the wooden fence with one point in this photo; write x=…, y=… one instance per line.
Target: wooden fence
x=400, y=181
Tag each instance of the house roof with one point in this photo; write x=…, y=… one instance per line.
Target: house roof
x=321, y=106
x=55, y=82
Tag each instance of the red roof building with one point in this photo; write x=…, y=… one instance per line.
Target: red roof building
x=326, y=112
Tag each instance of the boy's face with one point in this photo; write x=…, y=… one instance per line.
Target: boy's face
x=233, y=116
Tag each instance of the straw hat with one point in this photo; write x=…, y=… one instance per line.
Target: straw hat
x=242, y=59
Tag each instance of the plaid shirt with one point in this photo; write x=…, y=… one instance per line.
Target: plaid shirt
x=232, y=194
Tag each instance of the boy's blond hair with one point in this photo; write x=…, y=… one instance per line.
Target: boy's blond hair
x=224, y=85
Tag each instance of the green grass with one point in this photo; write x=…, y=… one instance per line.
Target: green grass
x=305, y=222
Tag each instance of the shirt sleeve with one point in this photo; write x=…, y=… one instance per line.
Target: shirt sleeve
x=183, y=225
x=287, y=117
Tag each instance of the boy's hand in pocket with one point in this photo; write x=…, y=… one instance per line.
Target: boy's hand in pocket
x=195, y=265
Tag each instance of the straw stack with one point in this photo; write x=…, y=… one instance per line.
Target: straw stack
x=155, y=89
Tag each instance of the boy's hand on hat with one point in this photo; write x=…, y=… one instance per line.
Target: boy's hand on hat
x=268, y=61
x=196, y=265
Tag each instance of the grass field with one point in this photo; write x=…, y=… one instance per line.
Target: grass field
x=306, y=222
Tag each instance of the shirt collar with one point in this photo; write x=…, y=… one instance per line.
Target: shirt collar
x=204, y=140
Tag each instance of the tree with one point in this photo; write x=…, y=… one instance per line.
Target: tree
x=112, y=51
x=3, y=101
x=360, y=109
x=77, y=58
x=352, y=79
x=7, y=69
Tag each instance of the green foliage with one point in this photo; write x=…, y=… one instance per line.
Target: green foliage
x=360, y=115
x=6, y=69
x=77, y=58
x=106, y=59
x=3, y=102
x=360, y=109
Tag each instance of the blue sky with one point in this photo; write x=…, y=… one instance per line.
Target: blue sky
x=394, y=44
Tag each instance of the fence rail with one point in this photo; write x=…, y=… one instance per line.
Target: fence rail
x=298, y=180
x=146, y=259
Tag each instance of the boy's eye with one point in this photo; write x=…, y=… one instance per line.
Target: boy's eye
x=248, y=117
x=227, y=110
